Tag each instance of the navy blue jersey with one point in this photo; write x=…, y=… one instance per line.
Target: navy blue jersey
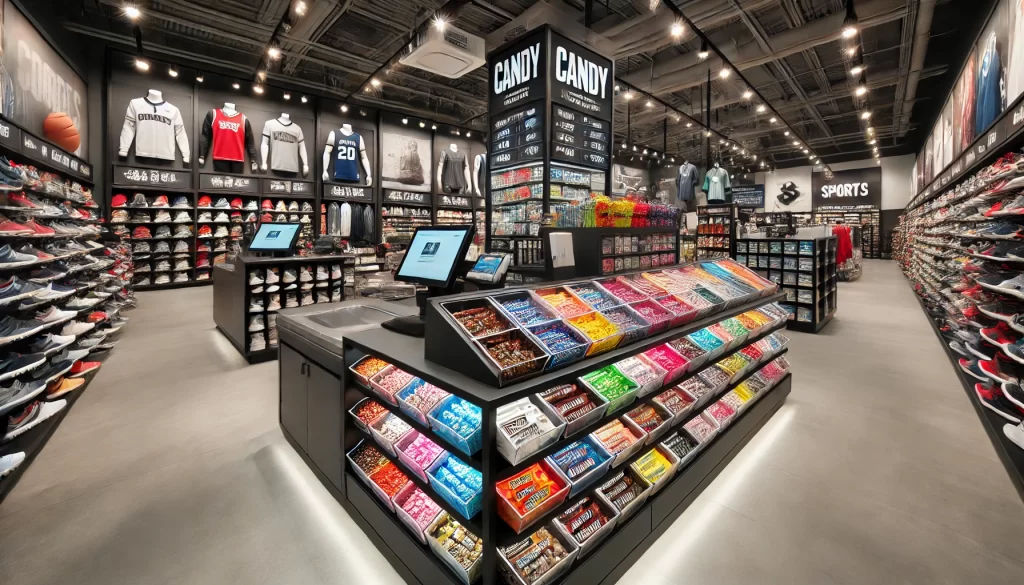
x=347, y=157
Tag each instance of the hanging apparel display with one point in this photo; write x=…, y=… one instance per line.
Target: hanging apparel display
x=231, y=137
x=990, y=100
x=285, y=142
x=368, y=223
x=156, y=127
x=453, y=166
x=844, y=242
x=345, y=220
x=480, y=164
x=716, y=184
x=356, y=231
x=686, y=182
x=347, y=156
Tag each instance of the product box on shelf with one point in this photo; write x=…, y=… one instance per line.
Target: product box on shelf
x=526, y=496
x=621, y=438
x=653, y=418
x=565, y=344
x=603, y=334
x=575, y=405
x=525, y=427
x=588, y=522
x=456, y=546
x=388, y=429
x=617, y=389
x=459, y=422
x=418, y=398
x=416, y=510
x=580, y=463
x=657, y=466
x=418, y=453
x=647, y=374
x=529, y=562
x=467, y=484
x=626, y=491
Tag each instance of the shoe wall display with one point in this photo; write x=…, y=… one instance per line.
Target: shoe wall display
x=963, y=252
x=58, y=291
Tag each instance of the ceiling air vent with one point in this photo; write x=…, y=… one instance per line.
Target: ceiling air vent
x=452, y=52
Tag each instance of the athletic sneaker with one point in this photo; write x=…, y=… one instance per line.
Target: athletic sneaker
x=77, y=328
x=54, y=315
x=272, y=337
x=17, y=394
x=62, y=386
x=992, y=398
x=205, y=232
x=182, y=217
x=236, y=203
x=970, y=367
x=291, y=301
x=251, y=205
x=307, y=300
x=1000, y=231
x=995, y=369
x=139, y=200
x=221, y=218
x=82, y=368
x=15, y=364
x=1011, y=283
x=321, y=272
x=275, y=303
x=205, y=201
x=255, y=277
x=256, y=342
x=222, y=232
x=304, y=275
x=256, y=306
x=50, y=343
x=119, y=200
x=205, y=216
x=162, y=232
x=267, y=205
x=16, y=289
x=10, y=228
x=256, y=323
x=160, y=201
x=31, y=416
x=181, y=247
x=181, y=202
x=273, y=288
x=307, y=286
x=272, y=276
x=1001, y=335
x=222, y=203
x=335, y=271
x=281, y=206
x=9, y=463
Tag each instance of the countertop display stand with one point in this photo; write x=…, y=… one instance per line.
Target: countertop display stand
x=319, y=389
x=805, y=270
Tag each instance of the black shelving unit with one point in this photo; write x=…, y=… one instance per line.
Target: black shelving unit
x=805, y=270
x=716, y=230
x=418, y=563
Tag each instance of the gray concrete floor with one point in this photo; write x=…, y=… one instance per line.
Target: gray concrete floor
x=171, y=470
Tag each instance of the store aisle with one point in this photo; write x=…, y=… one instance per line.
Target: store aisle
x=876, y=470
x=172, y=470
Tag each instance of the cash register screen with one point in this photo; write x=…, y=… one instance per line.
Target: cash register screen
x=275, y=237
x=433, y=255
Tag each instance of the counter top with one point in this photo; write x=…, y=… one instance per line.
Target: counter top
x=252, y=260
x=314, y=322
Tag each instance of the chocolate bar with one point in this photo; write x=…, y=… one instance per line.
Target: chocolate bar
x=581, y=468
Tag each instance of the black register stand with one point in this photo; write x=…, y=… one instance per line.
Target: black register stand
x=319, y=345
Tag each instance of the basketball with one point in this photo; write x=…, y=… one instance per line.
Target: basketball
x=59, y=129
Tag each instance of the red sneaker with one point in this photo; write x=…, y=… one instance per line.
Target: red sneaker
x=1001, y=335
x=996, y=208
x=82, y=368
x=96, y=317
x=267, y=204
x=38, y=229
x=205, y=232
x=160, y=201
x=19, y=199
x=119, y=200
x=10, y=228
x=994, y=369
x=205, y=201
x=236, y=203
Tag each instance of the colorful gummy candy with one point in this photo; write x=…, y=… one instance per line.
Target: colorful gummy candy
x=706, y=340
x=482, y=321
x=733, y=364
x=576, y=459
x=557, y=337
x=616, y=437
x=623, y=291
x=594, y=325
x=749, y=322
x=735, y=328
x=610, y=383
x=593, y=297
x=719, y=331
x=565, y=304
x=422, y=451
x=420, y=507
x=646, y=417
x=389, y=479
x=370, y=366
x=369, y=410
x=535, y=556
x=652, y=312
x=461, y=545
x=393, y=381
x=583, y=519
x=666, y=357
x=460, y=416
x=526, y=311
x=652, y=465
x=569, y=401
x=621, y=490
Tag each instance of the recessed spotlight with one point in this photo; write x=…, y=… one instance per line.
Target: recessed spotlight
x=689, y=124
x=131, y=11
x=772, y=120
x=616, y=88
x=871, y=130
x=261, y=75
x=849, y=32
x=433, y=126
x=236, y=85
x=861, y=89
x=287, y=96
x=423, y=124
x=440, y=22
x=623, y=145
x=467, y=133
x=303, y=98
x=872, y=141
x=628, y=95
x=707, y=133
x=172, y=72
x=748, y=94
x=142, y=65
x=634, y=148
x=721, y=141
x=796, y=143
x=703, y=52
x=804, y=151
x=649, y=104
x=375, y=82
x=786, y=133
x=851, y=51
x=865, y=115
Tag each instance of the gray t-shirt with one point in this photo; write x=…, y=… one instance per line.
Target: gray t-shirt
x=285, y=142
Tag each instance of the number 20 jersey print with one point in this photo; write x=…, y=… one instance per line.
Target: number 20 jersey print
x=347, y=156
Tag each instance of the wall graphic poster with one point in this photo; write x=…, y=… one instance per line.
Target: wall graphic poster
x=625, y=178
x=406, y=162
x=947, y=133
x=990, y=73
x=36, y=82
x=1015, y=58
x=963, y=125
x=851, y=188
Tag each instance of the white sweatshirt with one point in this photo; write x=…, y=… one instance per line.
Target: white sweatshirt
x=155, y=127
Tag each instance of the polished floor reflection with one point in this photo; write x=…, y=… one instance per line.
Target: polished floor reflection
x=171, y=470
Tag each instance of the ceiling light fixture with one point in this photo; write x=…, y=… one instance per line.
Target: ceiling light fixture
x=796, y=143
x=433, y=126
x=131, y=11
x=300, y=8
x=236, y=85
x=861, y=89
x=872, y=141
x=786, y=133
x=677, y=29
x=747, y=94
x=172, y=72
x=141, y=64
x=199, y=78
x=761, y=109
x=857, y=70
x=287, y=96
x=804, y=150
x=772, y=120
x=273, y=52
x=871, y=130
x=645, y=151
x=850, y=22
x=649, y=104
x=724, y=73
x=258, y=89
x=616, y=88
x=707, y=133
x=467, y=133
x=628, y=95
x=374, y=82
x=703, y=52
x=344, y=108
x=261, y=75
x=304, y=100
x=423, y=124
x=405, y=120
x=440, y=22
x=689, y=124
x=865, y=115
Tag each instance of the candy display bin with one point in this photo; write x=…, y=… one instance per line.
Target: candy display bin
x=656, y=433
x=383, y=442
x=539, y=310
x=600, y=344
x=512, y=576
x=449, y=358
x=629, y=334
x=563, y=356
x=364, y=380
x=359, y=423
x=667, y=477
x=406, y=407
x=381, y=391
x=455, y=307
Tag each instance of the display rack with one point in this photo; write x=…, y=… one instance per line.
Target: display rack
x=868, y=220
x=805, y=269
x=89, y=279
x=412, y=549
x=716, y=230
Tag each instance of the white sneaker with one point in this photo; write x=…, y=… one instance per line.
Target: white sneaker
x=256, y=342
x=256, y=307
x=290, y=301
x=304, y=275
x=256, y=323
x=273, y=288
x=1015, y=433
x=273, y=337
x=275, y=303
x=222, y=232
x=335, y=272
x=257, y=290
x=272, y=276
x=37, y=412
x=289, y=275
x=307, y=300
x=9, y=463
x=255, y=277
x=321, y=273
x=76, y=328
x=307, y=286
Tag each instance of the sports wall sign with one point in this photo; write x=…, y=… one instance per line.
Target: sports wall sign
x=847, y=188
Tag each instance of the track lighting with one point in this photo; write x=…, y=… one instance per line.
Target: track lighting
x=649, y=104
x=852, y=51
x=405, y=120
x=703, y=52
x=300, y=7
x=467, y=133
x=141, y=64
x=772, y=120
x=131, y=11
x=861, y=90
x=677, y=29
x=856, y=70
x=786, y=133
x=871, y=130
x=375, y=82
x=796, y=143
x=628, y=95
x=872, y=141
x=261, y=75
x=304, y=99
x=689, y=124
x=645, y=151
x=865, y=115
x=172, y=72
x=440, y=22
x=423, y=124
x=707, y=133
x=850, y=22
x=433, y=126
x=748, y=94
x=616, y=88
x=804, y=150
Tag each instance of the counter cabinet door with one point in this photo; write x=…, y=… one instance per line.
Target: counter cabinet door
x=325, y=412
x=294, y=391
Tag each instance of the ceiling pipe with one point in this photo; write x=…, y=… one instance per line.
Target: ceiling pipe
x=922, y=32
x=688, y=71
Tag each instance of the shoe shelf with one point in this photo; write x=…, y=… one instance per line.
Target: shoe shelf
x=412, y=553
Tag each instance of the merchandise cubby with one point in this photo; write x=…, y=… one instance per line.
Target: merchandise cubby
x=716, y=230
x=805, y=270
x=379, y=366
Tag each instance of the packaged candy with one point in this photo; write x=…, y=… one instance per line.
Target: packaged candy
x=461, y=545
x=535, y=556
x=391, y=382
x=481, y=321
x=643, y=285
x=367, y=458
x=420, y=507
x=733, y=400
x=621, y=490
x=583, y=519
x=735, y=328
x=369, y=410
x=715, y=377
x=527, y=489
x=637, y=370
x=706, y=340
x=695, y=386
x=525, y=310
x=612, y=385
x=680, y=445
x=577, y=459
x=389, y=479
x=668, y=359
x=421, y=397
x=514, y=353
x=369, y=366
x=720, y=411
x=700, y=428
x=593, y=296
x=622, y=291
x=462, y=481
x=594, y=325
x=391, y=428
x=421, y=451
x=563, y=302
x=744, y=392
x=616, y=437
x=688, y=349
x=675, y=400
x=659, y=317
x=571, y=403
x=564, y=343
x=646, y=417
x=652, y=466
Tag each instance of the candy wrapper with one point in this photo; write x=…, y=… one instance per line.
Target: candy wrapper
x=676, y=401
x=682, y=446
x=524, y=429
x=587, y=522
x=659, y=317
x=669, y=360
x=456, y=546
x=544, y=555
x=682, y=311
x=529, y=494
x=644, y=372
x=514, y=353
x=715, y=377
x=604, y=334
x=525, y=309
x=418, y=453
x=387, y=430
x=621, y=438
x=652, y=418
x=721, y=412
x=708, y=341
x=622, y=291
x=655, y=466
x=701, y=428
x=459, y=484
x=564, y=343
x=593, y=296
x=626, y=491
x=613, y=386
x=418, y=398
x=366, y=459
x=366, y=411
x=389, y=381
x=574, y=405
x=581, y=462
x=693, y=353
x=630, y=323
x=563, y=302
x=481, y=320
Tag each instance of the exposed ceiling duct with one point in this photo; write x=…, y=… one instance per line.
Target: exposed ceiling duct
x=922, y=32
